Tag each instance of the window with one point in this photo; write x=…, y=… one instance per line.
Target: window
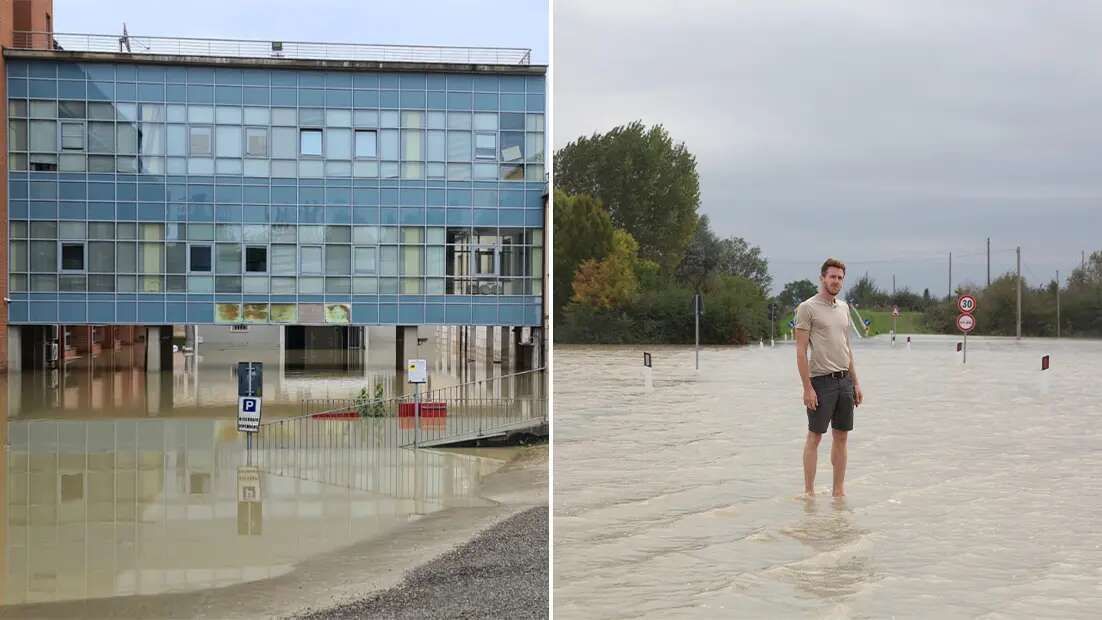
x=200, y=141
x=338, y=144
x=338, y=234
x=44, y=136
x=101, y=137
x=256, y=142
x=283, y=259
x=43, y=256
x=256, y=259
x=175, y=257
x=338, y=259
x=101, y=256
x=200, y=258
x=411, y=145
x=364, y=260
x=72, y=257
x=485, y=146
x=459, y=146
x=126, y=139
x=310, y=142
x=310, y=259
x=229, y=258
x=228, y=141
x=283, y=143
x=72, y=136
x=367, y=144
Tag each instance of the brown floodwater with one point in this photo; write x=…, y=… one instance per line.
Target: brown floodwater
x=973, y=490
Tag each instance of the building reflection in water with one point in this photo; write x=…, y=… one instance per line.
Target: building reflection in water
x=123, y=507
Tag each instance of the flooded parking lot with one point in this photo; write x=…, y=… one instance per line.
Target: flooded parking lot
x=119, y=483
x=972, y=489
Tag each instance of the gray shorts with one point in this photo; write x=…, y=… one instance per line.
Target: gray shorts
x=836, y=401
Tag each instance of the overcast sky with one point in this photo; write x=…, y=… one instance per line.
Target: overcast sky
x=886, y=133
x=469, y=23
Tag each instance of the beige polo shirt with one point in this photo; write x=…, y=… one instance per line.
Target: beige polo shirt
x=829, y=325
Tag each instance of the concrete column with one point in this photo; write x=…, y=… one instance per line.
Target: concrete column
x=405, y=345
x=537, y=349
x=15, y=349
x=153, y=348
x=505, y=329
x=489, y=347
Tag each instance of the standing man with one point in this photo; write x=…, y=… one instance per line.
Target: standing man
x=831, y=389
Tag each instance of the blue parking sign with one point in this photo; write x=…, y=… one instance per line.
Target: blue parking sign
x=248, y=413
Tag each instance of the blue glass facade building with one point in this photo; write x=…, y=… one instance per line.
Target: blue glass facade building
x=153, y=193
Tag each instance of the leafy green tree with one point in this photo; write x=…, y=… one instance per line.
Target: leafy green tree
x=796, y=292
x=583, y=231
x=648, y=183
x=739, y=258
x=610, y=282
x=702, y=257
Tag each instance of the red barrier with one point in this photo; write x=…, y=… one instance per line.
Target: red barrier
x=428, y=410
x=336, y=415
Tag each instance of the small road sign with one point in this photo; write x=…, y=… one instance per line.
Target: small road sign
x=966, y=304
x=868, y=322
x=248, y=413
x=418, y=371
x=895, y=312
x=792, y=324
x=966, y=323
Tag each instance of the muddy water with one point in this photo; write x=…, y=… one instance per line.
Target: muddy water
x=973, y=490
x=117, y=483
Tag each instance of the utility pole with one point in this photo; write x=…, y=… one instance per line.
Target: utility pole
x=1019, y=292
x=1057, y=304
x=989, y=262
x=893, y=288
x=950, y=274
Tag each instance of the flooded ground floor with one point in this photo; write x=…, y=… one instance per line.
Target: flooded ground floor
x=120, y=483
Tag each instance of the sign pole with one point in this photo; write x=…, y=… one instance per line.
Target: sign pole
x=417, y=415
x=965, y=359
x=696, y=316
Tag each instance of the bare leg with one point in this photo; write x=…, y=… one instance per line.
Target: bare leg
x=838, y=455
x=811, y=457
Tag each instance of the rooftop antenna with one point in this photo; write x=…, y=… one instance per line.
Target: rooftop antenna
x=124, y=40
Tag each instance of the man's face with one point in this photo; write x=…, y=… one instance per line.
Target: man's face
x=832, y=280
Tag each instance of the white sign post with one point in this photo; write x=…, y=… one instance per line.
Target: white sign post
x=248, y=413
x=966, y=322
x=417, y=372
x=895, y=315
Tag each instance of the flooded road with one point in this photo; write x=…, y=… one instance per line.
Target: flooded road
x=973, y=490
x=118, y=483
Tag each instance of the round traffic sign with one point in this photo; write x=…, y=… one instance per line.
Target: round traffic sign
x=967, y=304
x=966, y=323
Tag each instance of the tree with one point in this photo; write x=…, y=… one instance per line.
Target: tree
x=866, y=295
x=738, y=258
x=702, y=256
x=796, y=292
x=610, y=282
x=583, y=231
x=648, y=183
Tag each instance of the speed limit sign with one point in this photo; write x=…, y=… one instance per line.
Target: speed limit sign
x=966, y=304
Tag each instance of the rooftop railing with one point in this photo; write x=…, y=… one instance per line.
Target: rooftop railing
x=297, y=50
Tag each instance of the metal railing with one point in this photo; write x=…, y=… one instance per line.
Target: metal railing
x=298, y=50
x=474, y=410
